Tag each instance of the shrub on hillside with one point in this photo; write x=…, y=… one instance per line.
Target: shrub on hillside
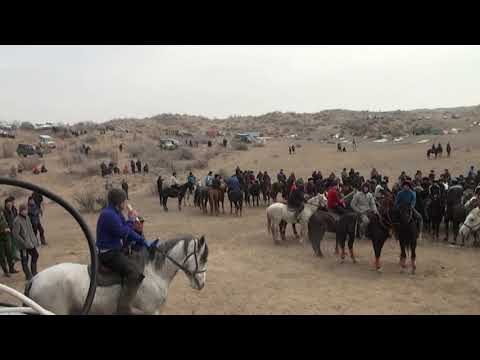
x=259, y=144
x=186, y=154
x=100, y=154
x=91, y=139
x=86, y=201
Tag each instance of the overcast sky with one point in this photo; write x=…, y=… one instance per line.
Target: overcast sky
x=98, y=83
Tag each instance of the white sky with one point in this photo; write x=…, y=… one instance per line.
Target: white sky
x=98, y=83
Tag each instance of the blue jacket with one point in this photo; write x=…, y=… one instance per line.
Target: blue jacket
x=208, y=180
x=233, y=183
x=113, y=230
x=408, y=197
x=191, y=179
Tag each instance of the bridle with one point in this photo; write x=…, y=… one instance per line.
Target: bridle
x=182, y=266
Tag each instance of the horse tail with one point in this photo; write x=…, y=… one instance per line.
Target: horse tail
x=269, y=223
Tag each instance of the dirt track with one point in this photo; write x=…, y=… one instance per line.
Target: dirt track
x=248, y=274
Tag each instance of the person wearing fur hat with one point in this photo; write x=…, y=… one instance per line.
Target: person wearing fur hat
x=296, y=198
x=114, y=234
x=363, y=202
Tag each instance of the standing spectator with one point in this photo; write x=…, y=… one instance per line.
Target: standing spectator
x=354, y=144
x=132, y=165
x=38, y=198
x=125, y=170
x=34, y=212
x=6, y=258
x=26, y=242
x=125, y=187
x=289, y=150
x=293, y=149
x=10, y=212
x=139, y=166
x=120, y=147
x=449, y=149
x=145, y=169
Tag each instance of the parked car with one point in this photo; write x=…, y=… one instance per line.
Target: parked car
x=168, y=144
x=29, y=150
x=46, y=142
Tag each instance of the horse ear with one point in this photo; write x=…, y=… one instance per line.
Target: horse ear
x=201, y=241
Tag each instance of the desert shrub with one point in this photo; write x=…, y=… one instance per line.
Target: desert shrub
x=68, y=160
x=86, y=201
x=91, y=139
x=240, y=146
x=186, y=154
x=29, y=163
x=136, y=150
x=200, y=164
x=8, y=150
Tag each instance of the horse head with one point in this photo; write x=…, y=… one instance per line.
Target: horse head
x=471, y=224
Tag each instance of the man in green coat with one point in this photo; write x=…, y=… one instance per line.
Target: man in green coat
x=6, y=258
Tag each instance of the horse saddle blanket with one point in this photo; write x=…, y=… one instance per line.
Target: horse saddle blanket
x=107, y=277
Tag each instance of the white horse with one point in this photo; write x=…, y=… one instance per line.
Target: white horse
x=279, y=211
x=471, y=225
x=63, y=288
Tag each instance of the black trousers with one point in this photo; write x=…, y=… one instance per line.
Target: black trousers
x=38, y=228
x=6, y=259
x=118, y=261
x=25, y=256
x=340, y=210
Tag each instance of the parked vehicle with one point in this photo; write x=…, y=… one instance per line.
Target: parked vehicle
x=46, y=142
x=29, y=150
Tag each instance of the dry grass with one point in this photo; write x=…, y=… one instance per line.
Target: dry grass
x=87, y=201
x=91, y=139
x=239, y=146
x=69, y=160
x=186, y=154
x=8, y=150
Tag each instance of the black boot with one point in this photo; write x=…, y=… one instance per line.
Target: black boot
x=5, y=270
x=127, y=296
x=26, y=270
x=34, y=268
x=12, y=269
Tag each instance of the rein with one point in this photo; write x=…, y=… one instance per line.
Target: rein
x=182, y=266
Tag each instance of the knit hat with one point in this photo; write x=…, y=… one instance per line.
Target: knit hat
x=116, y=197
x=22, y=207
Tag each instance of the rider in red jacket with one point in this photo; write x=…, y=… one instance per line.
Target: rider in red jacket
x=334, y=199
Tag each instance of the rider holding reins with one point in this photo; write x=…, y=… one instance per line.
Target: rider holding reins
x=114, y=235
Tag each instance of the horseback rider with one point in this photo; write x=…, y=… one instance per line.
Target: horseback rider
x=191, y=179
x=335, y=201
x=216, y=182
x=454, y=193
x=281, y=177
x=233, y=184
x=260, y=177
x=174, y=182
x=362, y=202
x=296, y=199
x=209, y=179
x=114, y=235
x=266, y=178
x=408, y=196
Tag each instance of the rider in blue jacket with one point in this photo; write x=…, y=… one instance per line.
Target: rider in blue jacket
x=114, y=235
x=408, y=196
x=233, y=183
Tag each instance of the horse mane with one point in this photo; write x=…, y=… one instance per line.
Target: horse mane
x=164, y=247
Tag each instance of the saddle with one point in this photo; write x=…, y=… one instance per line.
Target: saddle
x=107, y=277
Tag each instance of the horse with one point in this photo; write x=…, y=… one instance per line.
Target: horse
x=190, y=192
x=62, y=288
x=221, y=198
x=169, y=191
x=319, y=223
x=254, y=191
x=236, y=197
x=407, y=231
x=470, y=226
x=200, y=198
x=266, y=188
x=346, y=225
x=379, y=233
x=279, y=211
x=456, y=214
x=277, y=187
x=214, y=200
x=435, y=210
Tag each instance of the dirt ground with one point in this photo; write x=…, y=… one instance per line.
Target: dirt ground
x=248, y=274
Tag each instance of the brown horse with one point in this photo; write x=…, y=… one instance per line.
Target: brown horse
x=214, y=199
x=221, y=198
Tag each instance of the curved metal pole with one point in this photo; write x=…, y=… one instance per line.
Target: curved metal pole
x=83, y=226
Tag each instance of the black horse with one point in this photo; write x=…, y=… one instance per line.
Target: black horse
x=200, y=198
x=173, y=192
x=236, y=197
x=346, y=225
x=379, y=232
x=266, y=188
x=277, y=187
x=435, y=211
x=407, y=231
x=455, y=214
x=254, y=191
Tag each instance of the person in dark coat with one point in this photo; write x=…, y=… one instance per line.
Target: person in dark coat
x=125, y=187
x=296, y=199
x=10, y=212
x=34, y=212
x=26, y=241
x=139, y=166
x=145, y=169
x=6, y=259
x=132, y=165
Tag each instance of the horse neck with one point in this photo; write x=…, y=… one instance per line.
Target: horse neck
x=168, y=270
